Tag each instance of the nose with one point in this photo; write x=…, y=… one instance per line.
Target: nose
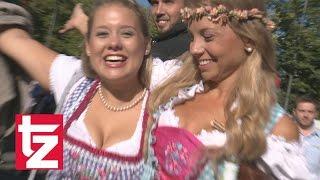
x=114, y=42
x=159, y=9
x=307, y=115
x=196, y=49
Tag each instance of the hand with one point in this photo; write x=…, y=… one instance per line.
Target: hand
x=78, y=20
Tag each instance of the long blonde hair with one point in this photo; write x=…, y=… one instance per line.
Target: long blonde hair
x=254, y=92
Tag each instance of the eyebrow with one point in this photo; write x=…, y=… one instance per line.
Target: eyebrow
x=121, y=27
x=215, y=30
x=127, y=26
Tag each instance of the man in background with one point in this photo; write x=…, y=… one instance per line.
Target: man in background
x=173, y=38
x=305, y=112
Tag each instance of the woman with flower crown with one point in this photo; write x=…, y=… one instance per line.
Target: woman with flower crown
x=103, y=98
x=222, y=102
x=203, y=111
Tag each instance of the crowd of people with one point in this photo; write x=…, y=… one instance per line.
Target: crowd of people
x=197, y=102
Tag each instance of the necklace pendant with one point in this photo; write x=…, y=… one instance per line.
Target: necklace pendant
x=217, y=125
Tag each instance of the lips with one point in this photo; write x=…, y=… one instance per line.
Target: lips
x=115, y=61
x=162, y=21
x=204, y=62
x=114, y=58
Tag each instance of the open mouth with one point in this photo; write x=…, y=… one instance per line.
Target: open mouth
x=115, y=60
x=162, y=21
x=204, y=62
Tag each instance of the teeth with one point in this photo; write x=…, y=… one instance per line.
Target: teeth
x=204, y=62
x=114, y=58
x=162, y=22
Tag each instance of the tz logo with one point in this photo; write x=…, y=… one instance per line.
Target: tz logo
x=39, y=141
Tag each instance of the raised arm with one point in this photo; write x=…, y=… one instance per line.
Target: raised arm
x=34, y=57
x=15, y=42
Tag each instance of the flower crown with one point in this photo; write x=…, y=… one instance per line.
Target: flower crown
x=220, y=14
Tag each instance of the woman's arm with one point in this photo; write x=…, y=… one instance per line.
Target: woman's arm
x=34, y=57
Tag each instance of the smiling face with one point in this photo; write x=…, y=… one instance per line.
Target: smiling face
x=166, y=13
x=116, y=45
x=216, y=49
x=305, y=113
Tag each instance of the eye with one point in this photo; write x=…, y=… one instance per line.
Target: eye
x=168, y=1
x=102, y=34
x=154, y=2
x=127, y=34
x=208, y=36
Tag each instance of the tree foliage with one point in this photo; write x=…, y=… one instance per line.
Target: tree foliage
x=298, y=46
x=49, y=16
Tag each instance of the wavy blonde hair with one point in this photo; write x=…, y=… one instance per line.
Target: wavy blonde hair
x=254, y=92
x=146, y=67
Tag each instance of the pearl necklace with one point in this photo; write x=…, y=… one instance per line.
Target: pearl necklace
x=121, y=108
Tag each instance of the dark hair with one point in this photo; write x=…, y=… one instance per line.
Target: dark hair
x=306, y=98
x=145, y=69
x=188, y=3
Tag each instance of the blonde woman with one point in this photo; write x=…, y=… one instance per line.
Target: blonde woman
x=224, y=99
x=104, y=97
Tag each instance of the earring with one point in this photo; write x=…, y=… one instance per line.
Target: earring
x=147, y=52
x=249, y=49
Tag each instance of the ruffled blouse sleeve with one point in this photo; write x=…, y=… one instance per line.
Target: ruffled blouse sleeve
x=161, y=71
x=285, y=159
x=61, y=71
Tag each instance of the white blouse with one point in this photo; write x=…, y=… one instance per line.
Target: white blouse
x=61, y=72
x=285, y=159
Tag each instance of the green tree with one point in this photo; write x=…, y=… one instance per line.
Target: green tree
x=49, y=16
x=298, y=46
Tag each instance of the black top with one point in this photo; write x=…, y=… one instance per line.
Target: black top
x=171, y=44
